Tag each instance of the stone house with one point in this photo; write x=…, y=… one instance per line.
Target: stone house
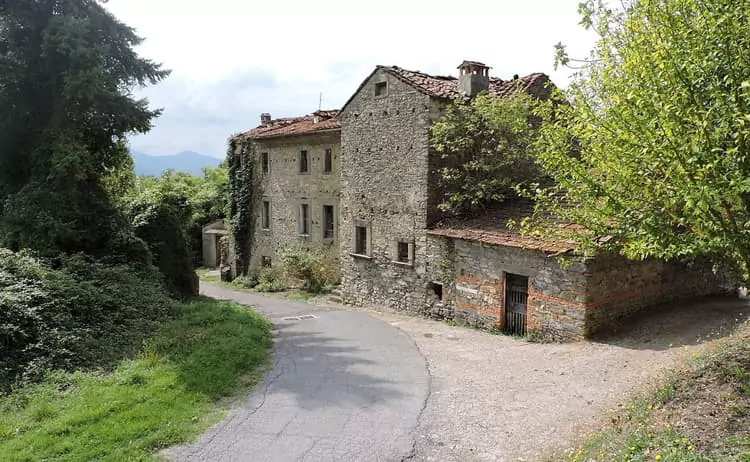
x=298, y=177
x=362, y=181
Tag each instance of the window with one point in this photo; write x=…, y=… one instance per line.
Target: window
x=381, y=88
x=328, y=161
x=304, y=165
x=304, y=219
x=265, y=165
x=265, y=261
x=328, y=224
x=360, y=240
x=265, y=220
x=437, y=289
x=403, y=254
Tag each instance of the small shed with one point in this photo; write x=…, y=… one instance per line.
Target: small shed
x=212, y=234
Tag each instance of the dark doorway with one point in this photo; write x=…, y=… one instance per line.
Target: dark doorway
x=516, y=300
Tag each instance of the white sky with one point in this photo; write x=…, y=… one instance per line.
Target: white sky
x=233, y=59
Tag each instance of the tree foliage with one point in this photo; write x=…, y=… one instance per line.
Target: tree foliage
x=202, y=199
x=67, y=69
x=660, y=124
x=485, y=146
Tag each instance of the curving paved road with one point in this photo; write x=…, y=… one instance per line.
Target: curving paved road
x=344, y=386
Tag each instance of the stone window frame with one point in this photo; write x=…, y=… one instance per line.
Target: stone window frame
x=327, y=153
x=328, y=240
x=306, y=154
x=368, y=244
x=380, y=89
x=265, y=163
x=265, y=214
x=410, y=252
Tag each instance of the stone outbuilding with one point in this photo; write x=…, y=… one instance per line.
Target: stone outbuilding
x=362, y=184
x=212, y=234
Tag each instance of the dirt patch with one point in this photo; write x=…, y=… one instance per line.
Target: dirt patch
x=497, y=398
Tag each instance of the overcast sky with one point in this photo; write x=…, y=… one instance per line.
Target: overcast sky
x=233, y=59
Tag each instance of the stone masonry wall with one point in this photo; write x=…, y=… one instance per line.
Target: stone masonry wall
x=618, y=288
x=384, y=185
x=285, y=188
x=477, y=293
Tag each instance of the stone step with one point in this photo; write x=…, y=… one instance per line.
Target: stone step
x=335, y=299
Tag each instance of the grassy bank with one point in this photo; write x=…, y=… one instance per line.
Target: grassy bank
x=700, y=413
x=168, y=394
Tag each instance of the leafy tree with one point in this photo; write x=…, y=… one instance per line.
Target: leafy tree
x=660, y=121
x=67, y=69
x=203, y=199
x=485, y=146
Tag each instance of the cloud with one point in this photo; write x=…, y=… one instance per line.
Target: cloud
x=233, y=59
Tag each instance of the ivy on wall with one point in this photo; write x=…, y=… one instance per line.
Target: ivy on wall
x=240, y=158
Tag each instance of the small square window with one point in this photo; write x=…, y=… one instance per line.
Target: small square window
x=437, y=289
x=360, y=240
x=381, y=88
x=304, y=164
x=266, y=215
x=328, y=222
x=328, y=161
x=403, y=253
x=304, y=219
x=265, y=164
x=265, y=261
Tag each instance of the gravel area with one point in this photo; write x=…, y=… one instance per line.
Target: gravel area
x=497, y=398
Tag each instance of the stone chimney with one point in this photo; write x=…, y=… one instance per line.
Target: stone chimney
x=265, y=118
x=473, y=78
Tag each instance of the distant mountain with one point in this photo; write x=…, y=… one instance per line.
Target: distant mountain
x=187, y=161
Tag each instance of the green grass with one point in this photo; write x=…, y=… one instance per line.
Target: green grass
x=204, y=276
x=170, y=393
x=699, y=413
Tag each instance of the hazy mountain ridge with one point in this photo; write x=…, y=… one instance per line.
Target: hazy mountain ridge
x=186, y=161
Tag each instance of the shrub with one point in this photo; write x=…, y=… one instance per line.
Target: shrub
x=315, y=268
x=247, y=281
x=159, y=219
x=271, y=280
x=73, y=312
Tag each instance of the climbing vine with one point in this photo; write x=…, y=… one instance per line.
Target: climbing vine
x=240, y=161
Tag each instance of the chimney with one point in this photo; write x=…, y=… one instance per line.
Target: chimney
x=265, y=118
x=473, y=78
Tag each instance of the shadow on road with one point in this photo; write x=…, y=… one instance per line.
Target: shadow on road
x=679, y=324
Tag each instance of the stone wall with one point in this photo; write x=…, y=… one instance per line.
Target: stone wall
x=285, y=188
x=618, y=288
x=570, y=301
x=477, y=290
x=384, y=181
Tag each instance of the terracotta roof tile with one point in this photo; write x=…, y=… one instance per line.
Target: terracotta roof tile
x=446, y=87
x=316, y=122
x=491, y=227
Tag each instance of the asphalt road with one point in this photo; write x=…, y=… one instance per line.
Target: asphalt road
x=344, y=387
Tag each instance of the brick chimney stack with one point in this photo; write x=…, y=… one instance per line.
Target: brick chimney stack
x=265, y=118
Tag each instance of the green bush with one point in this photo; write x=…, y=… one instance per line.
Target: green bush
x=246, y=282
x=315, y=268
x=271, y=280
x=160, y=220
x=73, y=312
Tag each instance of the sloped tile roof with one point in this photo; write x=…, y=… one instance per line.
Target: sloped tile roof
x=446, y=87
x=491, y=227
x=290, y=126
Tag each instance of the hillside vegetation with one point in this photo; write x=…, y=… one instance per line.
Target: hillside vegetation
x=699, y=413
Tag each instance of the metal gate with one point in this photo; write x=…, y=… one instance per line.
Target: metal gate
x=516, y=299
